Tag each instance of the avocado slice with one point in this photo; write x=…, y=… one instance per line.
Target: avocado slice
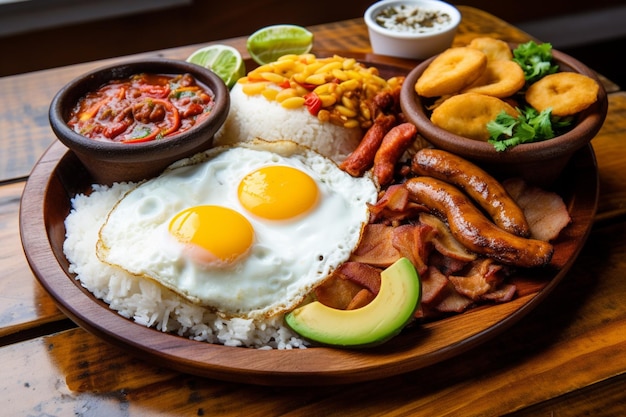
x=370, y=325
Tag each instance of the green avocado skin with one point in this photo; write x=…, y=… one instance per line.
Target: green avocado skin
x=369, y=326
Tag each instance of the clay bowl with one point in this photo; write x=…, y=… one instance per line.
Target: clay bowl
x=538, y=162
x=109, y=161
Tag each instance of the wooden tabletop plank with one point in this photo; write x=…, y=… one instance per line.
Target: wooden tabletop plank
x=565, y=358
x=610, y=149
x=23, y=302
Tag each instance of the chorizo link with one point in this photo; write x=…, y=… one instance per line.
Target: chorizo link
x=472, y=228
x=362, y=158
x=394, y=144
x=485, y=190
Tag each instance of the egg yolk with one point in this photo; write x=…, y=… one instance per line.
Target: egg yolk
x=222, y=232
x=278, y=192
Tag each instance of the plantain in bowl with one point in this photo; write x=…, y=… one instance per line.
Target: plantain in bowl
x=539, y=162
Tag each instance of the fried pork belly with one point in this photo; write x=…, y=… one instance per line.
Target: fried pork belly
x=545, y=211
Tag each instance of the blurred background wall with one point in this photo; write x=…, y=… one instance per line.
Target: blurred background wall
x=40, y=34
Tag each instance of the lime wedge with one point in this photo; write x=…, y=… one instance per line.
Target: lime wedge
x=270, y=43
x=223, y=60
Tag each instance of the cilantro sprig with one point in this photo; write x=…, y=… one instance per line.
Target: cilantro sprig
x=507, y=131
x=530, y=125
x=535, y=59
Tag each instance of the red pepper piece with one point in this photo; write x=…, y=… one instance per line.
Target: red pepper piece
x=308, y=86
x=169, y=125
x=313, y=102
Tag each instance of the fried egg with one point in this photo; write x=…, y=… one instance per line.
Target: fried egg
x=247, y=231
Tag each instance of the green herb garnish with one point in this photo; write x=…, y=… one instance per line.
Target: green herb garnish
x=535, y=59
x=507, y=131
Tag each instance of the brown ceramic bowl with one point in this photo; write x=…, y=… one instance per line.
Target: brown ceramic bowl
x=110, y=161
x=537, y=162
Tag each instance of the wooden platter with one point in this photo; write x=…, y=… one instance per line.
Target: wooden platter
x=58, y=176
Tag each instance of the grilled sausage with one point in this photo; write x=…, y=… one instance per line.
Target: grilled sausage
x=394, y=144
x=362, y=158
x=472, y=228
x=485, y=190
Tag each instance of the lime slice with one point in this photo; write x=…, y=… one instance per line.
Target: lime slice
x=223, y=60
x=270, y=43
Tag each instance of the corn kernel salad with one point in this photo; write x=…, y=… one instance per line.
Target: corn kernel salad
x=334, y=89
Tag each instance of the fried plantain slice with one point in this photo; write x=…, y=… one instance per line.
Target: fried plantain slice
x=567, y=93
x=500, y=79
x=495, y=49
x=468, y=114
x=451, y=71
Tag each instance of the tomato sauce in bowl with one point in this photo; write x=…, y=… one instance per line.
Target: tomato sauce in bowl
x=141, y=108
x=131, y=119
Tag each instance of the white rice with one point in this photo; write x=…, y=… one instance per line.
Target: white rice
x=253, y=117
x=150, y=304
x=146, y=302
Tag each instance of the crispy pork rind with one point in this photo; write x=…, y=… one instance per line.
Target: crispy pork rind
x=495, y=49
x=499, y=79
x=566, y=93
x=468, y=114
x=451, y=71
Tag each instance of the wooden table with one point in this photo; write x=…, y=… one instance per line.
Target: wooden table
x=566, y=358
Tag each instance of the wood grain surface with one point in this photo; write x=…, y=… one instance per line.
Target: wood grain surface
x=566, y=358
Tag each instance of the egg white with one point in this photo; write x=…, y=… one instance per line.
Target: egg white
x=286, y=261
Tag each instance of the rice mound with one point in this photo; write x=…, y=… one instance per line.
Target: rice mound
x=146, y=302
x=253, y=117
x=149, y=304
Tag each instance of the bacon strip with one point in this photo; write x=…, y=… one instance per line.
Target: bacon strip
x=444, y=242
x=394, y=206
x=433, y=283
x=501, y=295
x=375, y=247
x=452, y=301
x=412, y=242
x=351, y=286
x=545, y=211
x=362, y=274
